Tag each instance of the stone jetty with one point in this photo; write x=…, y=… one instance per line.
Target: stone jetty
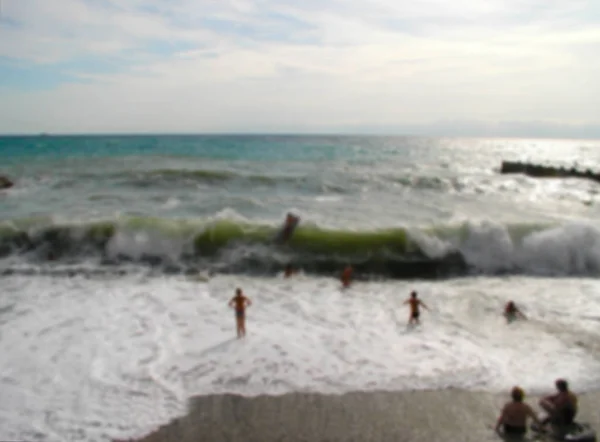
x=539, y=171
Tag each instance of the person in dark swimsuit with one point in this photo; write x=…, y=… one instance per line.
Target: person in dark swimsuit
x=291, y=222
x=513, y=419
x=561, y=407
x=346, y=277
x=414, y=308
x=239, y=302
x=289, y=271
x=511, y=312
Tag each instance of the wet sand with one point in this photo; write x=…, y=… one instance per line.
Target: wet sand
x=447, y=415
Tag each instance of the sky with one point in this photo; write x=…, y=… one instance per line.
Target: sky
x=437, y=67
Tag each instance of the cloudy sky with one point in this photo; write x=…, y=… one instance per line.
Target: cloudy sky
x=466, y=67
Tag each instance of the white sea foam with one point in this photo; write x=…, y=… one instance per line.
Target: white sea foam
x=88, y=359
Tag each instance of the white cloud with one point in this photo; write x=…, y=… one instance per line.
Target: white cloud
x=362, y=63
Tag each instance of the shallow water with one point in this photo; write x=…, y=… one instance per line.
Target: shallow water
x=101, y=357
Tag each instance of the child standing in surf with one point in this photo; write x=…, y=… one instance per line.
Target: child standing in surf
x=414, y=308
x=346, y=277
x=239, y=302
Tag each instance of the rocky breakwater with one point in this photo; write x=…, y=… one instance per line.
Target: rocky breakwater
x=540, y=171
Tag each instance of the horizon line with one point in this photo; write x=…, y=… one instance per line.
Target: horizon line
x=286, y=134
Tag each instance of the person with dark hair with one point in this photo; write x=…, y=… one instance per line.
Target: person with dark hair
x=561, y=406
x=511, y=312
x=346, y=276
x=414, y=308
x=239, y=302
x=289, y=226
x=289, y=271
x=513, y=419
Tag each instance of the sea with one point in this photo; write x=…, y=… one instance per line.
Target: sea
x=119, y=254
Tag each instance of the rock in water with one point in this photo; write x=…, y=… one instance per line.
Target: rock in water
x=5, y=183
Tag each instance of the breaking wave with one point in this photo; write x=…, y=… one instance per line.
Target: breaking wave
x=155, y=177
x=232, y=246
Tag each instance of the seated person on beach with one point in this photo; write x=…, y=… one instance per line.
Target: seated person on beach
x=414, y=303
x=561, y=406
x=239, y=302
x=346, y=277
x=511, y=312
x=291, y=222
x=513, y=419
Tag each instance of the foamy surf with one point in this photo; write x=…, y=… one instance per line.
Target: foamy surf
x=93, y=358
x=228, y=243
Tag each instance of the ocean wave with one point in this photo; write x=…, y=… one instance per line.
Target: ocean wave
x=212, y=177
x=160, y=177
x=174, y=178
x=234, y=246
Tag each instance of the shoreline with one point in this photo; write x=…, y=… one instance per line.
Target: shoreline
x=450, y=415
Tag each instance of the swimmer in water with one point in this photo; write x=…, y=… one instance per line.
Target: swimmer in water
x=239, y=302
x=414, y=303
x=511, y=312
x=289, y=271
x=346, y=277
x=291, y=222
